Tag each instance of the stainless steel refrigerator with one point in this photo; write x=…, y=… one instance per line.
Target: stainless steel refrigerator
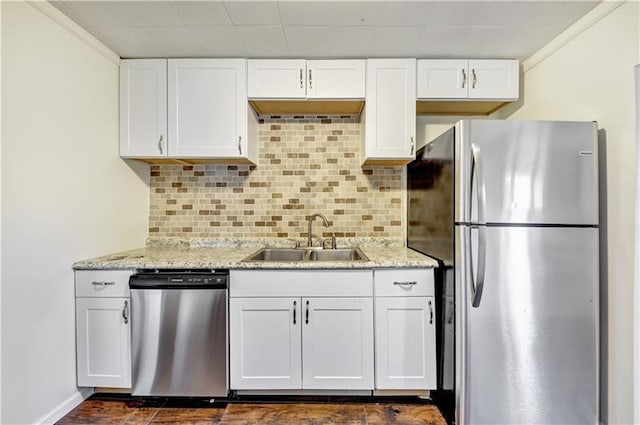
x=512, y=208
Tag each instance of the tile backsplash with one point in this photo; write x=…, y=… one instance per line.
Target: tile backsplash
x=307, y=164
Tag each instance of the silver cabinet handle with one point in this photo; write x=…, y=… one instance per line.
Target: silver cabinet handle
x=410, y=283
x=413, y=146
x=125, y=312
x=306, y=314
x=240, y=144
x=102, y=283
x=464, y=78
x=430, y=313
x=160, y=144
x=310, y=85
x=301, y=79
x=475, y=79
x=294, y=312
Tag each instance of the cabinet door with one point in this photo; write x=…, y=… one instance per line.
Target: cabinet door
x=493, y=79
x=207, y=104
x=337, y=343
x=265, y=343
x=103, y=342
x=143, y=108
x=276, y=78
x=336, y=79
x=443, y=79
x=405, y=343
x=390, y=110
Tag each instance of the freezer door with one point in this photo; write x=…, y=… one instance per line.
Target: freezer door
x=526, y=172
x=529, y=350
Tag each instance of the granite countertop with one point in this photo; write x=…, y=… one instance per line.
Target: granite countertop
x=230, y=256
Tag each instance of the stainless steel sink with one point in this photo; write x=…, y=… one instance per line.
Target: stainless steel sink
x=289, y=254
x=346, y=254
x=277, y=255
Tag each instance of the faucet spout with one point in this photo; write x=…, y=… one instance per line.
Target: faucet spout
x=325, y=222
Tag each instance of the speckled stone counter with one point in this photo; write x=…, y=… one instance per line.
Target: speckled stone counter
x=230, y=256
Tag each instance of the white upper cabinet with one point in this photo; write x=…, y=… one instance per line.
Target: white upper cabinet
x=390, y=112
x=276, y=78
x=467, y=79
x=302, y=79
x=336, y=79
x=207, y=108
x=143, y=108
x=494, y=79
x=186, y=109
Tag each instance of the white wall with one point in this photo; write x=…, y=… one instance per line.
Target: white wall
x=66, y=195
x=591, y=78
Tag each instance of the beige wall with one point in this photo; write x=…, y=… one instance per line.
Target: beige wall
x=66, y=195
x=591, y=78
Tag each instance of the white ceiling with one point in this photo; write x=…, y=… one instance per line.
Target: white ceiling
x=318, y=29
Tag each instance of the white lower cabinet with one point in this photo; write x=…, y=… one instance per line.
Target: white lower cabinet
x=265, y=343
x=405, y=323
x=405, y=343
x=308, y=340
x=103, y=342
x=301, y=343
x=103, y=328
x=337, y=344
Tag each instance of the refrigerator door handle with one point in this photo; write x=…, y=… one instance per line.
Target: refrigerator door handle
x=476, y=169
x=482, y=261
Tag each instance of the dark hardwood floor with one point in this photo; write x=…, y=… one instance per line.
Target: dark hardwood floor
x=110, y=409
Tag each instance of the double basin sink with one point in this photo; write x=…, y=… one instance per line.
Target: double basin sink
x=282, y=255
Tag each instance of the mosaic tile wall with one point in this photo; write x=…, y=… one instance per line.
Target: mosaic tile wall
x=307, y=165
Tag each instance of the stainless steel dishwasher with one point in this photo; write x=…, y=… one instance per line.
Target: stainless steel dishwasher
x=179, y=333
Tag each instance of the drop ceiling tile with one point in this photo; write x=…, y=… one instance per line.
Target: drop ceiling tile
x=263, y=41
x=130, y=14
x=222, y=41
x=396, y=41
x=205, y=13
x=483, y=42
x=253, y=12
x=458, y=13
x=407, y=12
x=304, y=12
x=150, y=42
x=562, y=14
x=307, y=41
x=526, y=42
x=355, y=12
x=441, y=42
x=350, y=41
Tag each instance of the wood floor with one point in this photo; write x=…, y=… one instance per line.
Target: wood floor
x=132, y=411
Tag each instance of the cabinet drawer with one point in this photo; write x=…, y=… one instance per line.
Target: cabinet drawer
x=403, y=283
x=102, y=283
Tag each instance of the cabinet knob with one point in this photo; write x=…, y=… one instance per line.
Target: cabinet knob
x=475, y=79
x=160, y=144
x=306, y=314
x=464, y=78
x=430, y=313
x=301, y=79
x=310, y=84
x=240, y=145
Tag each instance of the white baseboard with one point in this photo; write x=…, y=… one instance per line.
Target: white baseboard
x=65, y=407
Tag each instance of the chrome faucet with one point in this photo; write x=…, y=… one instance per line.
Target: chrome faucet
x=310, y=220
